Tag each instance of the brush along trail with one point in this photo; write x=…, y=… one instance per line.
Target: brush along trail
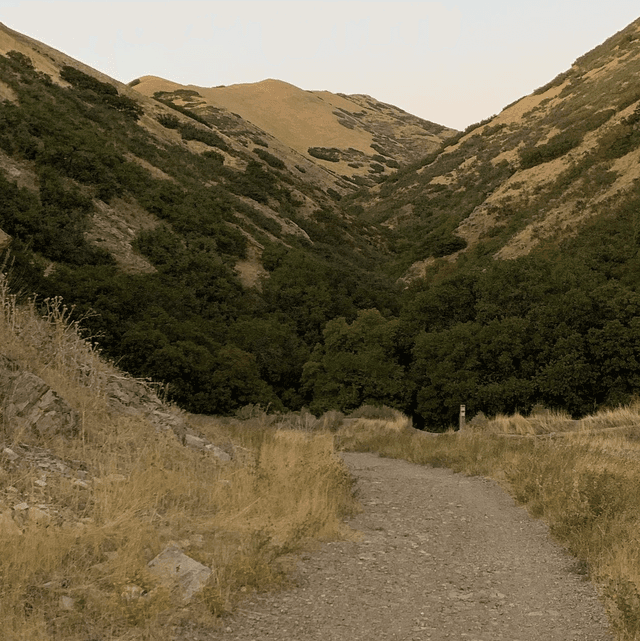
x=440, y=556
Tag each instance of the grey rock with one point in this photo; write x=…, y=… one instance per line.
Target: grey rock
x=10, y=454
x=28, y=402
x=194, y=441
x=218, y=452
x=178, y=572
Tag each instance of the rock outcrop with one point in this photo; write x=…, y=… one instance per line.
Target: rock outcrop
x=28, y=403
x=127, y=395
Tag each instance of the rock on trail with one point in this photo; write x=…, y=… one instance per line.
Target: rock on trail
x=442, y=556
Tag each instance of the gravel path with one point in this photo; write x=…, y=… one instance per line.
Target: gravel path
x=443, y=556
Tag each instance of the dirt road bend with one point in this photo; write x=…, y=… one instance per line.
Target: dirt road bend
x=442, y=556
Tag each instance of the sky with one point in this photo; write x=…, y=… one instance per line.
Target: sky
x=452, y=62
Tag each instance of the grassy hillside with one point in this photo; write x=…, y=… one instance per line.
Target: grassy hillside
x=529, y=177
x=81, y=517
x=202, y=259
x=357, y=139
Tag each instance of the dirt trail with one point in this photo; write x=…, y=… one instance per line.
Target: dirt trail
x=443, y=556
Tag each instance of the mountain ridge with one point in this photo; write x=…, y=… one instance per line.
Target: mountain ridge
x=356, y=131
x=497, y=271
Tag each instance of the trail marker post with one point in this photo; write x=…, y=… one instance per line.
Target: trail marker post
x=463, y=420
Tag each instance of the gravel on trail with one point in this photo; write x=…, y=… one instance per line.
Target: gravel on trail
x=442, y=556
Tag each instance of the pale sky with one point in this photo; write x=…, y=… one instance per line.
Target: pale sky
x=453, y=62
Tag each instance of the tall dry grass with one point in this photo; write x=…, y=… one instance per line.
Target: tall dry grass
x=583, y=482
x=79, y=568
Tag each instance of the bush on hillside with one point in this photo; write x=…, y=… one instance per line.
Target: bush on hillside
x=270, y=159
x=556, y=147
x=330, y=154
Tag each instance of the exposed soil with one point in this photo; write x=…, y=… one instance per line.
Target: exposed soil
x=442, y=556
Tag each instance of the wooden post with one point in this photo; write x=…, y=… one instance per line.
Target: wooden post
x=462, y=417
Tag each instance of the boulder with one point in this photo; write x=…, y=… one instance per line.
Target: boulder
x=178, y=572
x=28, y=402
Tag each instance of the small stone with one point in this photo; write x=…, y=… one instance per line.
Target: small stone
x=78, y=483
x=219, y=453
x=178, y=571
x=21, y=507
x=195, y=441
x=40, y=483
x=197, y=541
x=10, y=454
x=67, y=603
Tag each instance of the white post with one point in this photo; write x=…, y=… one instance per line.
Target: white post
x=462, y=418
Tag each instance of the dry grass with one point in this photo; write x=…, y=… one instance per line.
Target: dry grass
x=583, y=483
x=79, y=569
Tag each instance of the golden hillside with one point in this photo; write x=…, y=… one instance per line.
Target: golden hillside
x=536, y=173
x=368, y=137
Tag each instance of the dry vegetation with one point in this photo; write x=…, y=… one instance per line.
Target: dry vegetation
x=581, y=477
x=78, y=569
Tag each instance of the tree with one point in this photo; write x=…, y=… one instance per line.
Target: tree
x=355, y=364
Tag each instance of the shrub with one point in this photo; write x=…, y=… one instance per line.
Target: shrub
x=104, y=92
x=161, y=96
x=215, y=156
x=81, y=80
x=169, y=121
x=381, y=150
x=556, y=147
x=270, y=159
x=448, y=245
x=330, y=154
x=191, y=132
